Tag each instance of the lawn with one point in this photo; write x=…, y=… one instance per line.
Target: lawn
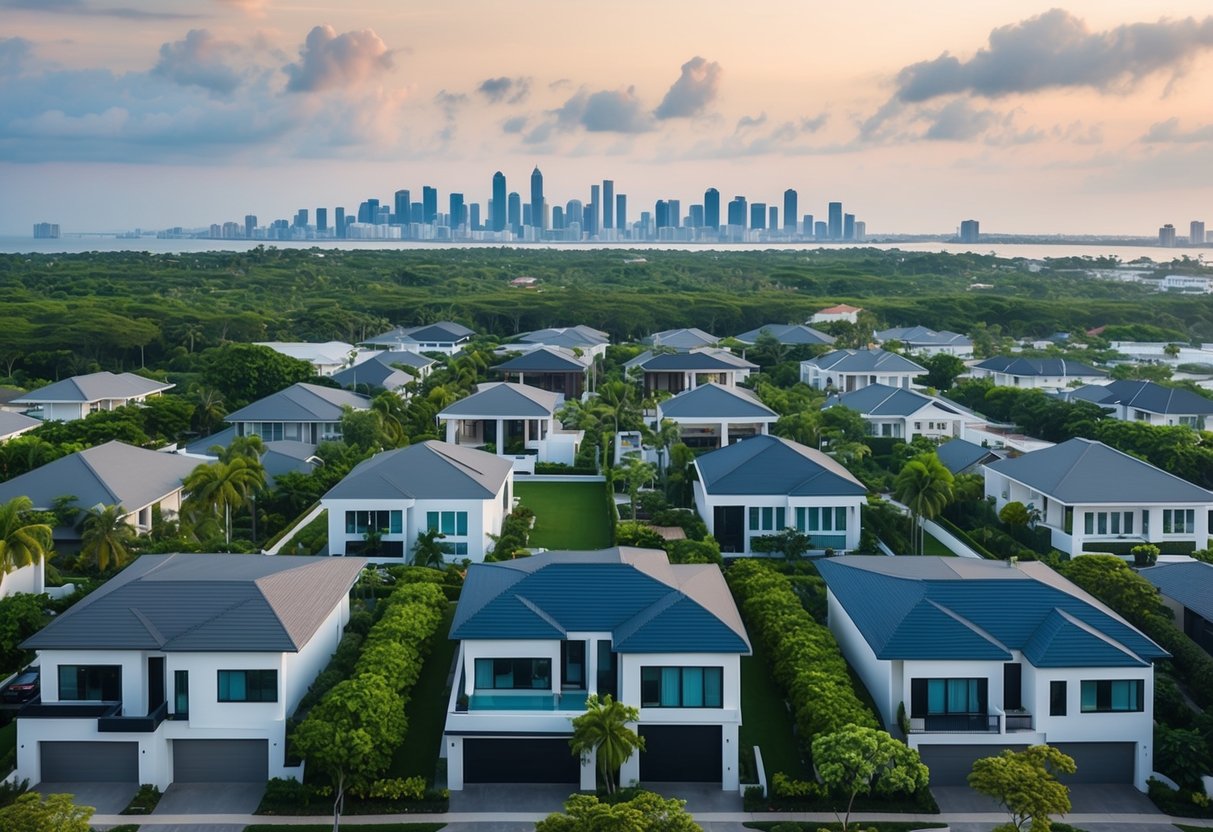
x=426, y=710
x=765, y=721
x=932, y=546
x=567, y=515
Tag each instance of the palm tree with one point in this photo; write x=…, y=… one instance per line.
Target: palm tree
x=107, y=537
x=391, y=408
x=223, y=487
x=635, y=474
x=603, y=729
x=666, y=434
x=209, y=408
x=925, y=486
x=241, y=447
x=21, y=542
x=427, y=551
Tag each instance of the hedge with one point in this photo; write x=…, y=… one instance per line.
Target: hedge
x=806, y=661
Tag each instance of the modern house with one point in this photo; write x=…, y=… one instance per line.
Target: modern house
x=278, y=458
x=847, y=370
x=673, y=372
x=78, y=396
x=986, y=655
x=302, y=412
x=326, y=358
x=841, y=312
x=15, y=424
x=1187, y=590
x=791, y=335
x=461, y=492
x=961, y=456
x=923, y=341
x=589, y=342
x=681, y=340
x=1042, y=373
x=712, y=416
x=905, y=414
x=538, y=635
x=385, y=370
x=183, y=669
x=519, y=421
x=766, y=484
x=445, y=337
x=1093, y=498
x=557, y=369
x=113, y=474
x=1146, y=401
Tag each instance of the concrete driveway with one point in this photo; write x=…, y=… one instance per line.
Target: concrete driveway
x=106, y=798
x=1092, y=798
x=210, y=799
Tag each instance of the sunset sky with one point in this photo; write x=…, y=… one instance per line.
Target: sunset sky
x=1095, y=117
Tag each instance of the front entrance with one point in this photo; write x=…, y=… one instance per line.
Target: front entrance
x=729, y=527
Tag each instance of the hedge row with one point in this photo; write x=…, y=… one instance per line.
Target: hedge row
x=805, y=658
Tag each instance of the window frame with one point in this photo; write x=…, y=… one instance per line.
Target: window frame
x=259, y=683
x=1104, y=693
x=655, y=694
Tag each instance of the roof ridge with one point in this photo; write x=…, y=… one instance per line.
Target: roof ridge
x=976, y=628
x=82, y=456
x=1102, y=636
x=156, y=635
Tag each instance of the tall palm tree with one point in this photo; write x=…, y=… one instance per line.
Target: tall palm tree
x=391, y=408
x=21, y=542
x=925, y=486
x=603, y=728
x=224, y=487
x=209, y=408
x=107, y=537
x=241, y=447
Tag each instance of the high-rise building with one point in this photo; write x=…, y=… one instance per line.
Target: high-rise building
x=1166, y=235
x=474, y=217
x=322, y=219
x=338, y=221
x=790, y=208
x=970, y=231
x=806, y=227
x=250, y=223
x=47, y=231
x=514, y=212
x=695, y=217
x=861, y=231
x=675, y=206
x=537, y=198
x=848, y=226
x=557, y=218
x=1196, y=234
x=758, y=216
x=737, y=211
x=711, y=208
x=301, y=218
x=594, y=211
x=621, y=212
x=773, y=218
x=821, y=231
x=497, y=207
x=368, y=211
x=458, y=213
x=661, y=214
x=417, y=213
x=403, y=204
x=608, y=203
x=835, y=220
x=429, y=205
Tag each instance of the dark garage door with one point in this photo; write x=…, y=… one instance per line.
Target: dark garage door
x=90, y=762
x=950, y=764
x=220, y=761
x=1100, y=762
x=680, y=754
x=520, y=761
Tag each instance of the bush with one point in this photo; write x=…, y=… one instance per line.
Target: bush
x=1144, y=555
x=689, y=521
x=282, y=792
x=144, y=801
x=635, y=533
x=397, y=788
x=784, y=787
x=561, y=468
x=694, y=551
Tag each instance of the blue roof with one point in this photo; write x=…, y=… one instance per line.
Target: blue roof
x=789, y=334
x=647, y=604
x=958, y=455
x=925, y=608
x=771, y=465
x=1189, y=582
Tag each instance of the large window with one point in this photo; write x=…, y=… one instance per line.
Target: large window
x=447, y=522
x=1057, y=698
x=1178, y=521
x=513, y=674
x=268, y=431
x=814, y=519
x=1113, y=695
x=767, y=519
x=1108, y=522
x=682, y=687
x=248, y=685
x=90, y=682
x=935, y=697
x=360, y=522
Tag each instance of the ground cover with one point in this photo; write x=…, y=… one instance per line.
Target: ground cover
x=931, y=545
x=765, y=720
x=426, y=709
x=567, y=515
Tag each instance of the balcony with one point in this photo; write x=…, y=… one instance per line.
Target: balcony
x=956, y=724
x=1019, y=721
x=110, y=719
x=119, y=724
x=569, y=700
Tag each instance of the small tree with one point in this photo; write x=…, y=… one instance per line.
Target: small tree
x=1145, y=555
x=648, y=811
x=925, y=486
x=857, y=760
x=33, y=812
x=603, y=729
x=1025, y=783
x=107, y=537
x=1014, y=514
x=635, y=474
x=427, y=551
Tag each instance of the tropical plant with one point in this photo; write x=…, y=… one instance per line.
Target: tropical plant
x=34, y=812
x=427, y=551
x=22, y=542
x=646, y=812
x=635, y=474
x=1025, y=783
x=242, y=447
x=603, y=732
x=857, y=760
x=924, y=485
x=222, y=488
x=106, y=537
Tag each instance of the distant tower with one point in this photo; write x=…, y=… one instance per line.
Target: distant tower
x=970, y=231
x=322, y=219
x=429, y=205
x=404, y=201
x=250, y=223
x=594, y=211
x=621, y=212
x=711, y=208
x=675, y=208
x=835, y=220
x=848, y=226
x=338, y=221
x=758, y=215
x=498, y=207
x=790, y=208
x=1166, y=235
x=737, y=211
x=458, y=213
x=608, y=203
x=537, y=199
x=661, y=213
x=1196, y=234
x=514, y=213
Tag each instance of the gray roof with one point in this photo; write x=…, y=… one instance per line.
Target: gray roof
x=301, y=402
x=94, y=387
x=1084, y=471
x=1189, y=583
x=109, y=474
x=698, y=360
x=681, y=339
x=959, y=455
x=1146, y=395
x=772, y=465
x=447, y=332
x=431, y=470
x=865, y=361
x=790, y=334
x=1019, y=366
x=920, y=336
x=883, y=400
x=193, y=603
x=544, y=360
x=712, y=401
x=13, y=423
x=279, y=457
x=377, y=371
x=1092, y=393
x=504, y=399
x=566, y=336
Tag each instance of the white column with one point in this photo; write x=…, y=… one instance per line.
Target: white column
x=451, y=427
x=500, y=437
x=589, y=772
x=454, y=763
x=591, y=667
x=724, y=434
x=730, y=773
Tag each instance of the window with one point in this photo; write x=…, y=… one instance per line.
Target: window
x=360, y=522
x=767, y=519
x=181, y=693
x=248, y=685
x=513, y=674
x=682, y=687
x=453, y=548
x=1104, y=522
x=1178, y=521
x=1057, y=698
x=268, y=431
x=90, y=682
x=828, y=519
x=447, y=522
x=931, y=697
x=1113, y=695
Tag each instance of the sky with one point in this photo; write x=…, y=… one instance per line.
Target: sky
x=1095, y=117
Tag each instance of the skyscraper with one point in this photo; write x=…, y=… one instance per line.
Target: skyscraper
x=675, y=212
x=429, y=204
x=1196, y=233
x=835, y=221
x=1166, y=235
x=790, y=208
x=821, y=231
x=250, y=223
x=474, y=218
x=594, y=210
x=737, y=211
x=608, y=203
x=695, y=216
x=970, y=231
x=322, y=219
x=806, y=227
x=773, y=218
x=621, y=212
x=537, y=199
x=514, y=212
x=368, y=211
x=848, y=226
x=497, y=207
x=711, y=208
x=758, y=215
x=338, y=221
x=301, y=218
x=404, y=201
x=457, y=216
x=661, y=214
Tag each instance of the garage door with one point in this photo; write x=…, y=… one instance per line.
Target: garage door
x=950, y=764
x=220, y=761
x=90, y=762
x=548, y=760
x=680, y=754
x=1100, y=762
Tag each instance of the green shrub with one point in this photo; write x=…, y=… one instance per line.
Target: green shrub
x=144, y=801
x=1144, y=555
x=785, y=788
x=396, y=788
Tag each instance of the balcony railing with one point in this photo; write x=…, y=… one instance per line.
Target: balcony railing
x=68, y=710
x=119, y=724
x=955, y=724
x=1018, y=721
x=569, y=700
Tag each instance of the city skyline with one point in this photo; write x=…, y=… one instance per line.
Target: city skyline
x=1090, y=118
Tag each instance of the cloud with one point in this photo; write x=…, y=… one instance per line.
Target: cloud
x=253, y=8
x=201, y=60
x=79, y=7
x=1169, y=132
x=811, y=124
x=960, y=121
x=750, y=122
x=509, y=90
x=14, y=55
x=1057, y=49
x=514, y=125
x=613, y=111
x=331, y=61
x=695, y=89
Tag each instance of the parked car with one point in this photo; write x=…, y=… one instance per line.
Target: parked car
x=23, y=688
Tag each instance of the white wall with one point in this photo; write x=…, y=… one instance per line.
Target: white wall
x=29, y=579
x=706, y=503
x=877, y=675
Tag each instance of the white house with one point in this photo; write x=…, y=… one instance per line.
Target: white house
x=923, y=341
x=538, y=635
x=557, y=369
x=1145, y=401
x=1042, y=373
x=445, y=337
x=15, y=424
x=183, y=669
x=847, y=370
x=385, y=370
x=76, y=397
x=1186, y=587
x=1093, y=498
x=461, y=492
x=712, y=416
x=987, y=655
x=326, y=357
x=673, y=372
x=303, y=412
x=763, y=485
x=841, y=312
x=518, y=420
x=905, y=414
x=589, y=342
x=681, y=340
x=1186, y=284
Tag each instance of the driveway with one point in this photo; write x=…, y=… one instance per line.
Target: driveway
x=106, y=798
x=210, y=799
x=500, y=797
x=1084, y=799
